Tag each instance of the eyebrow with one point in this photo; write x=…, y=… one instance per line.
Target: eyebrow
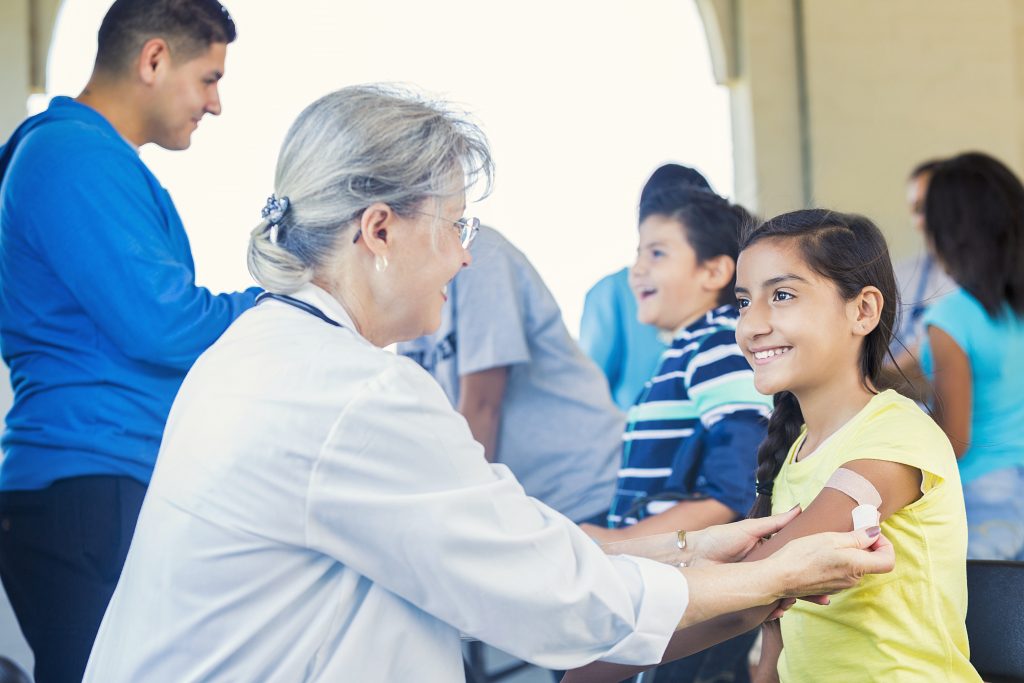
x=771, y=282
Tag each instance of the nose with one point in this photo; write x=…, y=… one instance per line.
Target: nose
x=467, y=257
x=213, y=103
x=753, y=323
x=638, y=268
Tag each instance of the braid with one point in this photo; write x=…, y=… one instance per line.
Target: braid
x=783, y=430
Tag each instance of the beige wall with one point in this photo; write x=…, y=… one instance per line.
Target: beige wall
x=14, y=56
x=888, y=84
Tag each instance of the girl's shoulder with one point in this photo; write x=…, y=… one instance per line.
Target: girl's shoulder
x=892, y=427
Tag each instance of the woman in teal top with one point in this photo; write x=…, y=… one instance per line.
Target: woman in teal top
x=974, y=351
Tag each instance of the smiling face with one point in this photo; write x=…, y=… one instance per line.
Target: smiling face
x=795, y=329
x=184, y=94
x=671, y=288
x=427, y=257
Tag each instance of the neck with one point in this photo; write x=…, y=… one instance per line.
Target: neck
x=358, y=302
x=707, y=304
x=828, y=407
x=116, y=103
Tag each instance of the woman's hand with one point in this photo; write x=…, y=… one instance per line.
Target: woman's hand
x=830, y=562
x=732, y=542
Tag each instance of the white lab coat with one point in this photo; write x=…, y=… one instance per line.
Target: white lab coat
x=320, y=513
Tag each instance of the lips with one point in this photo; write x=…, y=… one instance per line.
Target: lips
x=642, y=293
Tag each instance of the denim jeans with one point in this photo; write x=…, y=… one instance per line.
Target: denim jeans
x=995, y=515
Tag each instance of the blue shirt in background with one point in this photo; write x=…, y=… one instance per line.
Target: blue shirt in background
x=100, y=316
x=627, y=351
x=995, y=349
x=694, y=432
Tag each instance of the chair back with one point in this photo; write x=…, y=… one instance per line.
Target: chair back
x=995, y=618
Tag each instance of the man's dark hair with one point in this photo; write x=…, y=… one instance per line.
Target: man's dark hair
x=188, y=26
x=925, y=167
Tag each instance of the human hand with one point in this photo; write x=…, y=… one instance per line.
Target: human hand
x=829, y=562
x=780, y=608
x=732, y=542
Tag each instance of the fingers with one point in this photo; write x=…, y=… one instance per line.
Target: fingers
x=882, y=555
x=766, y=526
x=817, y=599
x=780, y=608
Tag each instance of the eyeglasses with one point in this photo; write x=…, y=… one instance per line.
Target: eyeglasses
x=467, y=227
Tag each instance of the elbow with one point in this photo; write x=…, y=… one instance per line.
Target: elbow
x=161, y=348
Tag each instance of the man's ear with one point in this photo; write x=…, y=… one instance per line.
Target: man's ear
x=374, y=228
x=865, y=310
x=719, y=271
x=153, y=59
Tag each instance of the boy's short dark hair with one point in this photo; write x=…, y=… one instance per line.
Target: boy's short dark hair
x=671, y=176
x=188, y=26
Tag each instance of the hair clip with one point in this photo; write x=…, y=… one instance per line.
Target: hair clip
x=273, y=213
x=275, y=209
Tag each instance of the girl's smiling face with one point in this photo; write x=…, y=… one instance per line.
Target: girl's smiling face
x=795, y=329
x=671, y=287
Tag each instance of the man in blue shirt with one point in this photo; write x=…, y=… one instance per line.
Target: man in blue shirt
x=100, y=316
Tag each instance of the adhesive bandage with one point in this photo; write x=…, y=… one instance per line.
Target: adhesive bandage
x=862, y=491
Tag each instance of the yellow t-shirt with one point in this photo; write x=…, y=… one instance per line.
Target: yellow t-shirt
x=907, y=625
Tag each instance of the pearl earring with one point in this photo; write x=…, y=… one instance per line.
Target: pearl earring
x=380, y=263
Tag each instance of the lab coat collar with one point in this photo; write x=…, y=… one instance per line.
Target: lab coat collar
x=316, y=296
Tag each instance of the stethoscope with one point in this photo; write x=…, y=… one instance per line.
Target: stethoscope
x=301, y=305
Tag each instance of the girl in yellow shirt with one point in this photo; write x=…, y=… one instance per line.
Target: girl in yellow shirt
x=817, y=299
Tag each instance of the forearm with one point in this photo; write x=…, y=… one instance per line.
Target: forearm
x=686, y=641
x=771, y=650
x=484, y=422
x=480, y=401
x=690, y=515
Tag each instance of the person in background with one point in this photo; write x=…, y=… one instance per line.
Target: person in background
x=100, y=316
x=921, y=280
x=974, y=349
x=505, y=359
x=626, y=350
x=690, y=446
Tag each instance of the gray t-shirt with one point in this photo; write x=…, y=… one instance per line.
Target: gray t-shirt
x=560, y=432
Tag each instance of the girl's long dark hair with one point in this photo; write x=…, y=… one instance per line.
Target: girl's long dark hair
x=850, y=251
x=974, y=219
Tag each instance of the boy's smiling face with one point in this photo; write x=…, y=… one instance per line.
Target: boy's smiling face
x=666, y=279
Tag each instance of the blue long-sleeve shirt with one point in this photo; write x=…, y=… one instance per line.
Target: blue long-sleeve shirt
x=100, y=316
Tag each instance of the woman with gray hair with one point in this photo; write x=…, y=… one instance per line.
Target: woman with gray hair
x=319, y=512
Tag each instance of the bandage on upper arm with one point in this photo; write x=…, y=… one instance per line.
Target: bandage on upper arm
x=863, y=493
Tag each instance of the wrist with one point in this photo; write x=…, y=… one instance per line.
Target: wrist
x=664, y=548
x=778, y=578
